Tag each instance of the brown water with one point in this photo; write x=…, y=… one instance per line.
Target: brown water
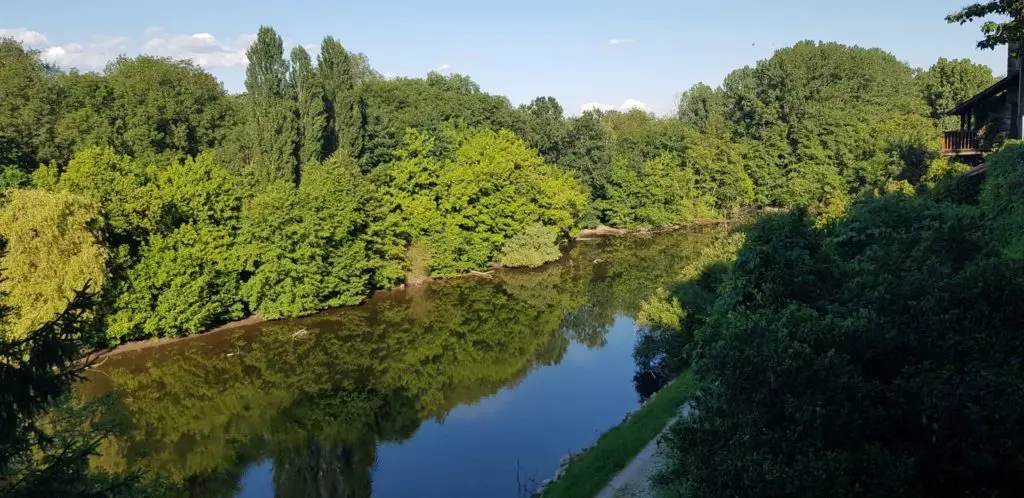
x=471, y=387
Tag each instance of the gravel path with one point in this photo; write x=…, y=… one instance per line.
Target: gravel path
x=634, y=480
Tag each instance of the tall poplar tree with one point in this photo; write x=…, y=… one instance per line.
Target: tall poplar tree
x=272, y=131
x=309, y=99
x=344, y=112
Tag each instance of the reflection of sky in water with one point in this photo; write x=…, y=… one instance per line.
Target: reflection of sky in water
x=476, y=450
x=556, y=409
x=258, y=480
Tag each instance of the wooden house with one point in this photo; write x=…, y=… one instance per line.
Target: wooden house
x=988, y=118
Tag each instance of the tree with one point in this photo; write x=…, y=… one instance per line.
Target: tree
x=121, y=187
x=995, y=32
x=588, y=153
x=188, y=274
x=271, y=131
x=86, y=117
x=163, y=106
x=949, y=82
x=831, y=106
x=463, y=208
x=661, y=192
x=344, y=113
x=303, y=245
x=45, y=444
x=704, y=108
x=874, y=355
x=717, y=165
x=393, y=106
x=544, y=128
x=309, y=98
x=266, y=76
x=28, y=114
x=53, y=249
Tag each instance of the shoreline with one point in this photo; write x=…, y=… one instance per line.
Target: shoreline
x=585, y=234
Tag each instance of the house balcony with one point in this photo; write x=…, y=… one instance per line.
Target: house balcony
x=963, y=143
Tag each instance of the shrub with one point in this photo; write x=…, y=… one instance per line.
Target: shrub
x=533, y=247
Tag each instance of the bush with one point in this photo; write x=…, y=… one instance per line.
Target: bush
x=877, y=356
x=1001, y=196
x=532, y=248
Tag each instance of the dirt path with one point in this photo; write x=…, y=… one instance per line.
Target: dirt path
x=634, y=480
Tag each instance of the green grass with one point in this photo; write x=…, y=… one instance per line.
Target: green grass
x=592, y=471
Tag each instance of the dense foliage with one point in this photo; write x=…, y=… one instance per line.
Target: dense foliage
x=45, y=442
x=875, y=354
x=324, y=181
x=1008, y=29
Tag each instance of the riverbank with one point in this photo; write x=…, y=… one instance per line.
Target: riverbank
x=583, y=235
x=590, y=472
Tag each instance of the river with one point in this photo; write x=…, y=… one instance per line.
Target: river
x=469, y=387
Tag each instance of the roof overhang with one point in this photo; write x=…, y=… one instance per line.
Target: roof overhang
x=985, y=94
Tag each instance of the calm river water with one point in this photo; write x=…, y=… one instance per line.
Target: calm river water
x=471, y=387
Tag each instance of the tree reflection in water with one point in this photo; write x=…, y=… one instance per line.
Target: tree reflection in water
x=317, y=395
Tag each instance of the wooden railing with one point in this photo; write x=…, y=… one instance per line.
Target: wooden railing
x=961, y=142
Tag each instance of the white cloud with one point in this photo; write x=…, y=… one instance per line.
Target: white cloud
x=443, y=68
x=621, y=41
x=632, y=104
x=389, y=75
x=626, y=106
x=203, y=48
x=26, y=36
x=91, y=55
x=596, y=106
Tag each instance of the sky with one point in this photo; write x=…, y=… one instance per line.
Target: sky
x=595, y=53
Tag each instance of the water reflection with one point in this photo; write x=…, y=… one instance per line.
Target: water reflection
x=309, y=403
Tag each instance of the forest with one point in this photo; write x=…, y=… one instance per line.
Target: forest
x=877, y=315
x=184, y=207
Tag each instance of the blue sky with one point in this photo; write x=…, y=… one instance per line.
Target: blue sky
x=606, y=52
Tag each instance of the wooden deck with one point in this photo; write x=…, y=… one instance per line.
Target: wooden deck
x=962, y=143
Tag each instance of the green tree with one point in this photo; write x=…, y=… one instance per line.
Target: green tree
x=86, y=117
x=873, y=355
x=28, y=112
x=998, y=32
x=393, y=106
x=344, y=112
x=122, y=188
x=544, y=128
x=704, y=108
x=718, y=167
x=588, y=153
x=309, y=98
x=464, y=209
x=304, y=245
x=270, y=127
x=949, y=82
x=53, y=249
x=838, y=108
x=661, y=192
x=45, y=444
x=188, y=275
x=163, y=106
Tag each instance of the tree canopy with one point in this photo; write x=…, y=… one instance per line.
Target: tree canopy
x=204, y=212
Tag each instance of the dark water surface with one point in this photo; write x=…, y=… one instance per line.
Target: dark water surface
x=471, y=387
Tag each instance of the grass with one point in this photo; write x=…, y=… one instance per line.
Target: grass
x=588, y=473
